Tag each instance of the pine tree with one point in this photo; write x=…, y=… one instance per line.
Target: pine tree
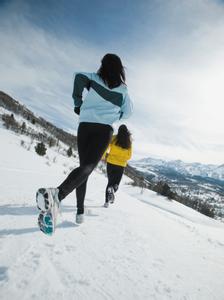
x=69, y=152
x=41, y=149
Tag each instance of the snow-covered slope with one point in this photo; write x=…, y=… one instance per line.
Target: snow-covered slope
x=142, y=247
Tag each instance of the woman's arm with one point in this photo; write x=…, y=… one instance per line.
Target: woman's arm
x=81, y=81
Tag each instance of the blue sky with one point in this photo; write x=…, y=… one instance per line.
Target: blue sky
x=104, y=22
x=172, y=50
x=87, y=19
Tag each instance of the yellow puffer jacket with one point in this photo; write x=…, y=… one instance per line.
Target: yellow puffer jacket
x=116, y=155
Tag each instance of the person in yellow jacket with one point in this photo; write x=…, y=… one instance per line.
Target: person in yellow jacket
x=117, y=154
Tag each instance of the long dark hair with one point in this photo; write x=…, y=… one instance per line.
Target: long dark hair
x=112, y=71
x=123, y=137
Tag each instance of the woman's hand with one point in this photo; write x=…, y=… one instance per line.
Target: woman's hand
x=77, y=110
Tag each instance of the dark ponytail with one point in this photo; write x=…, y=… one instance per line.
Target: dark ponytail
x=112, y=71
x=123, y=138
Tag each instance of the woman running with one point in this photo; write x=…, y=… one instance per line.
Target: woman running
x=106, y=102
x=116, y=156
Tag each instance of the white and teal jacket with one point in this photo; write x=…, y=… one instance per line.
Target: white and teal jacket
x=101, y=104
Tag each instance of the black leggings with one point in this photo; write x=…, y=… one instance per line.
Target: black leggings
x=114, y=174
x=93, y=139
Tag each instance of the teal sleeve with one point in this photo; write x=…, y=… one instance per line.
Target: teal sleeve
x=81, y=81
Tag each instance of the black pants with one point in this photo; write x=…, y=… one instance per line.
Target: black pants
x=114, y=175
x=93, y=139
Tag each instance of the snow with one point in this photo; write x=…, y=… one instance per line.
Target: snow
x=142, y=247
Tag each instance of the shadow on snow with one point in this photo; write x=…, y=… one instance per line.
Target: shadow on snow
x=15, y=210
x=20, y=231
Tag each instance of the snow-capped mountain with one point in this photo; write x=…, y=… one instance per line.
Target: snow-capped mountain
x=195, y=182
x=193, y=169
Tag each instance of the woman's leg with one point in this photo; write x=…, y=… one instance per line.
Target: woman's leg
x=81, y=189
x=94, y=139
x=114, y=174
x=80, y=197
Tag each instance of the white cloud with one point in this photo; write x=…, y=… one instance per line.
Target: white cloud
x=178, y=88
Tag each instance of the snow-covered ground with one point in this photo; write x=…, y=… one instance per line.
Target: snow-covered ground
x=141, y=247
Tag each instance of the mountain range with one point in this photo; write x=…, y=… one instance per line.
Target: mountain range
x=186, y=169
x=198, y=182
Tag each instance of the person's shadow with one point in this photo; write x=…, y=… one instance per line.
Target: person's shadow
x=15, y=210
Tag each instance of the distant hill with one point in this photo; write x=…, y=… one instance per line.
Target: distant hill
x=186, y=169
x=17, y=108
x=199, y=182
